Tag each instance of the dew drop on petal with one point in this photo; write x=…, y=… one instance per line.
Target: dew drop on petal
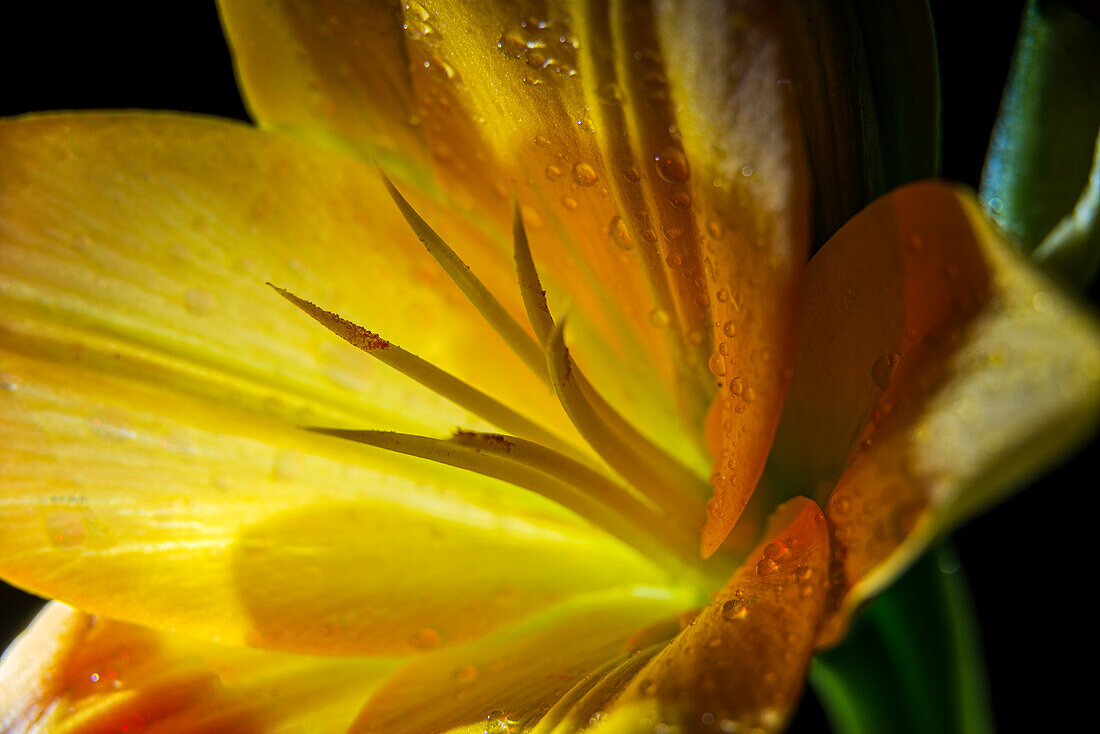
x=766, y=566
x=735, y=608
x=584, y=174
x=717, y=364
x=618, y=233
x=672, y=165
x=658, y=318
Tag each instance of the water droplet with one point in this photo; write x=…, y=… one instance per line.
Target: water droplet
x=883, y=369
x=466, y=674
x=803, y=573
x=649, y=235
x=619, y=234
x=717, y=364
x=649, y=687
x=570, y=203
x=746, y=170
x=425, y=639
x=10, y=381
x=735, y=608
x=749, y=394
x=630, y=173
x=775, y=550
x=729, y=328
x=658, y=318
x=766, y=566
x=996, y=205
x=541, y=141
x=680, y=200
x=66, y=528
x=674, y=261
x=806, y=590
x=513, y=45
x=737, y=387
x=553, y=172
x=672, y=165
x=498, y=722
x=714, y=642
x=724, y=348
x=584, y=175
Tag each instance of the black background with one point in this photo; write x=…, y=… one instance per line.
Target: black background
x=1029, y=561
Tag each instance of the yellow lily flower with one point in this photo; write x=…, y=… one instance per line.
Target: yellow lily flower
x=522, y=509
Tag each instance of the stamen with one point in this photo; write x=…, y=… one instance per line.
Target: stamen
x=680, y=501
x=648, y=537
x=439, y=381
x=542, y=321
x=514, y=335
x=586, y=478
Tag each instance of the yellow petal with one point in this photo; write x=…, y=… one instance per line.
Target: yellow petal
x=153, y=469
x=657, y=156
x=70, y=672
x=936, y=371
x=741, y=662
x=162, y=230
x=132, y=499
x=508, y=681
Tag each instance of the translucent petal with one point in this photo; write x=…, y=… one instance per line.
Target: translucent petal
x=153, y=469
x=653, y=150
x=70, y=672
x=506, y=682
x=740, y=663
x=161, y=230
x=936, y=372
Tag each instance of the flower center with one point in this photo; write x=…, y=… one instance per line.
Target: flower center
x=634, y=490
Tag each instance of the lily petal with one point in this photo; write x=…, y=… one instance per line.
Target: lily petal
x=513, y=678
x=740, y=129
x=153, y=468
x=70, y=672
x=161, y=230
x=741, y=662
x=936, y=372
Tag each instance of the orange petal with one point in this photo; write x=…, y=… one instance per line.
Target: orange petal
x=742, y=661
x=936, y=371
x=70, y=672
x=512, y=679
x=740, y=131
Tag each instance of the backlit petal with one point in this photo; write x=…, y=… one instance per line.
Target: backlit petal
x=513, y=678
x=153, y=386
x=71, y=672
x=729, y=74
x=162, y=230
x=741, y=662
x=936, y=371
x=657, y=157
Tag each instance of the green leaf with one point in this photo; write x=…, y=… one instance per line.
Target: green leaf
x=1037, y=171
x=912, y=663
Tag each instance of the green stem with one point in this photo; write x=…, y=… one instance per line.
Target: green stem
x=912, y=663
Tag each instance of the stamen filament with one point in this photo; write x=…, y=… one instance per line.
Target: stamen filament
x=591, y=481
x=681, y=502
x=647, y=538
x=542, y=321
x=599, y=692
x=439, y=381
x=514, y=335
